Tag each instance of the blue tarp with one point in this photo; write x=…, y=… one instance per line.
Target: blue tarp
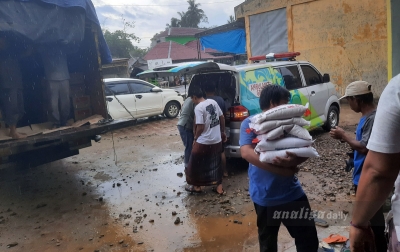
x=91, y=15
x=233, y=41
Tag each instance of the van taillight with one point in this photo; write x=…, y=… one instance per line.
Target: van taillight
x=238, y=113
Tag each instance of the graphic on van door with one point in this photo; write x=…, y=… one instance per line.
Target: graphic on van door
x=256, y=80
x=253, y=81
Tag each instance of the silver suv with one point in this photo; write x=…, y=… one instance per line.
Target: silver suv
x=240, y=87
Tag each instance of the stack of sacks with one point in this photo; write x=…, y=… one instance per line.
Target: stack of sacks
x=280, y=130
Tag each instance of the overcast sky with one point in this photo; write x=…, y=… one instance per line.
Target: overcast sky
x=151, y=16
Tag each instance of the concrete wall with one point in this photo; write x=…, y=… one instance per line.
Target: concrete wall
x=394, y=50
x=345, y=38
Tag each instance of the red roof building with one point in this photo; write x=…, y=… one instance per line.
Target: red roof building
x=176, y=52
x=180, y=45
x=178, y=32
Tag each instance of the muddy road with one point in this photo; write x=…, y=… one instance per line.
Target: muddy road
x=132, y=198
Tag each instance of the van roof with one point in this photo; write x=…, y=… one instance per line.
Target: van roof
x=205, y=66
x=272, y=64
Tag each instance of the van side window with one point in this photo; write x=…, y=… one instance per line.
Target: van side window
x=291, y=77
x=139, y=88
x=116, y=89
x=311, y=76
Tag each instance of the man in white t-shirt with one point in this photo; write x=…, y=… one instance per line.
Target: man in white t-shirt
x=204, y=167
x=208, y=114
x=380, y=170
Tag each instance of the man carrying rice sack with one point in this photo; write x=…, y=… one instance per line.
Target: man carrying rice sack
x=280, y=130
x=274, y=188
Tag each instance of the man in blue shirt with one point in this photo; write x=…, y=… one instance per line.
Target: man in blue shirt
x=275, y=190
x=361, y=100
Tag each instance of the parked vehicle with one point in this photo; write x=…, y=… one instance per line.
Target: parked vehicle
x=140, y=98
x=86, y=50
x=240, y=86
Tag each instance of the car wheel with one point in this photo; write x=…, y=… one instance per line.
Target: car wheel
x=172, y=109
x=333, y=119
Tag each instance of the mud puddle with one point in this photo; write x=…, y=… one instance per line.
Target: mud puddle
x=49, y=209
x=146, y=202
x=125, y=200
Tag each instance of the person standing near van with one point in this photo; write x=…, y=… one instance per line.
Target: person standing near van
x=204, y=167
x=57, y=75
x=380, y=173
x=185, y=127
x=274, y=188
x=361, y=100
x=11, y=88
x=209, y=89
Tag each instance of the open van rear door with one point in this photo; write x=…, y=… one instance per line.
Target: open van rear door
x=187, y=68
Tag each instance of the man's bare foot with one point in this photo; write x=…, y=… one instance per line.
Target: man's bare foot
x=193, y=189
x=219, y=190
x=226, y=174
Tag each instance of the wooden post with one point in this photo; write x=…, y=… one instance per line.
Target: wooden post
x=289, y=19
x=248, y=40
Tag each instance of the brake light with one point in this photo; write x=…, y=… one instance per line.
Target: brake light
x=290, y=55
x=238, y=113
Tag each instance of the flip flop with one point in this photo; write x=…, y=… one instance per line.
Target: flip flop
x=335, y=238
x=190, y=188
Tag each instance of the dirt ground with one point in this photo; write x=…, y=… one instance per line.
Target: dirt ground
x=133, y=198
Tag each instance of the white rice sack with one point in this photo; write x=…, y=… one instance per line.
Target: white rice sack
x=269, y=156
x=300, y=132
x=279, y=132
x=285, y=111
x=280, y=144
x=263, y=127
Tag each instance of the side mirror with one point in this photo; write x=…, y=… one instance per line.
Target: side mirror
x=326, y=78
x=109, y=99
x=156, y=89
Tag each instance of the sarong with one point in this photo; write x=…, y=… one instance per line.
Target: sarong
x=204, y=167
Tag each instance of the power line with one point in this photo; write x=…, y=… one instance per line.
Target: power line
x=130, y=5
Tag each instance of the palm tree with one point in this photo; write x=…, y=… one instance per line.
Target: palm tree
x=183, y=21
x=174, y=23
x=231, y=19
x=191, y=18
x=194, y=15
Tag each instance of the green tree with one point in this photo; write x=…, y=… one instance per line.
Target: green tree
x=191, y=18
x=120, y=41
x=174, y=23
x=194, y=15
x=138, y=52
x=231, y=19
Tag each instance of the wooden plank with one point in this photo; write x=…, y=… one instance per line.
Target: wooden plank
x=60, y=137
x=257, y=7
x=91, y=120
x=289, y=19
x=248, y=40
